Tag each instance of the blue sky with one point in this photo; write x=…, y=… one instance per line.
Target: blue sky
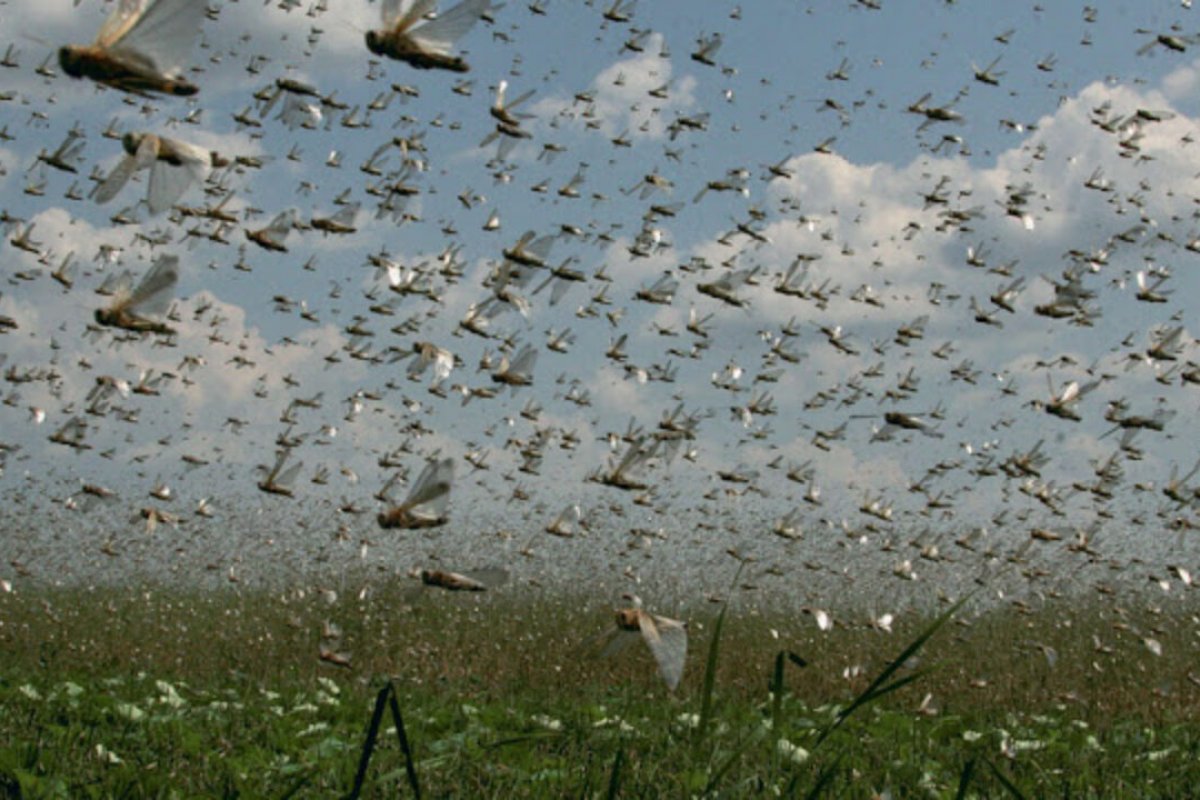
x=787, y=77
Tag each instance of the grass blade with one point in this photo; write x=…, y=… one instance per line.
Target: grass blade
x=385, y=699
x=710, y=675
x=777, y=692
x=614, y=778
x=879, y=687
x=710, y=666
x=777, y=685
x=964, y=780
x=1004, y=781
x=368, y=747
x=823, y=780
x=410, y=765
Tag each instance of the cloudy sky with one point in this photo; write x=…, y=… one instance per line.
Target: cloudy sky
x=906, y=163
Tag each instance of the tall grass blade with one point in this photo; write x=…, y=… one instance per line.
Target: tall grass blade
x=614, y=778
x=964, y=780
x=385, y=699
x=710, y=675
x=777, y=686
x=880, y=687
x=410, y=765
x=777, y=691
x=823, y=780
x=710, y=666
x=1009, y=786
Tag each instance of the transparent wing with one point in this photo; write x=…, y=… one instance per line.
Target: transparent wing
x=541, y=247
x=711, y=47
x=121, y=288
x=667, y=639
x=558, y=291
x=153, y=294
x=282, y=224
x=525, y=239
x=490, y=577
x=432, y=488
x=347, y=215
x=435, y=509
x=521, y=99
x=144, y=158
x=392, y=10
x=401, y=14
x=665, y=285
x=168, y=182
x=524, y=362
x=635, y=458
x=167, y=185
x=615, y=641
x=288, y=476
x=123, y=17
x=419, y=364
x=439, y=35
x=116, y=180
x=164, y=33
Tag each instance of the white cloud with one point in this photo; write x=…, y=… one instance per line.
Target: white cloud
x=620, y=97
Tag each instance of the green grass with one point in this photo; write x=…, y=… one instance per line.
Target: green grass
x=108, y=693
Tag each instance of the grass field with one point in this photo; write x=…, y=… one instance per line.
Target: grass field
x=151, y=692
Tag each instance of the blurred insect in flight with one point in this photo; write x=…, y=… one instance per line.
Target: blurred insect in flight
x=666, y=638
x=130, y=307
x=277, y=479
x=140, y=47
x=409, y=35
x=479, y=580
x=425, y=506
x=174, y=166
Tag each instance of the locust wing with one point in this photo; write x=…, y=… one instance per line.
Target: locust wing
x=438, y=35
x=143, y=158
x=430, y=495
x=402, y=14
x=153, y=294
x=168, y=181
x=157, y=33
x=667, y=640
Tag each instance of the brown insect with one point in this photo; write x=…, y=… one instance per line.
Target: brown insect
x=174, y=167
x=130, y=306
x=140, y=48
x=473, y=581
x=425, y=506
x=409, y=35
x=666, y=638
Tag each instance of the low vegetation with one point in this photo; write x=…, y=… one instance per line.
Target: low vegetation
x=116, y=692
